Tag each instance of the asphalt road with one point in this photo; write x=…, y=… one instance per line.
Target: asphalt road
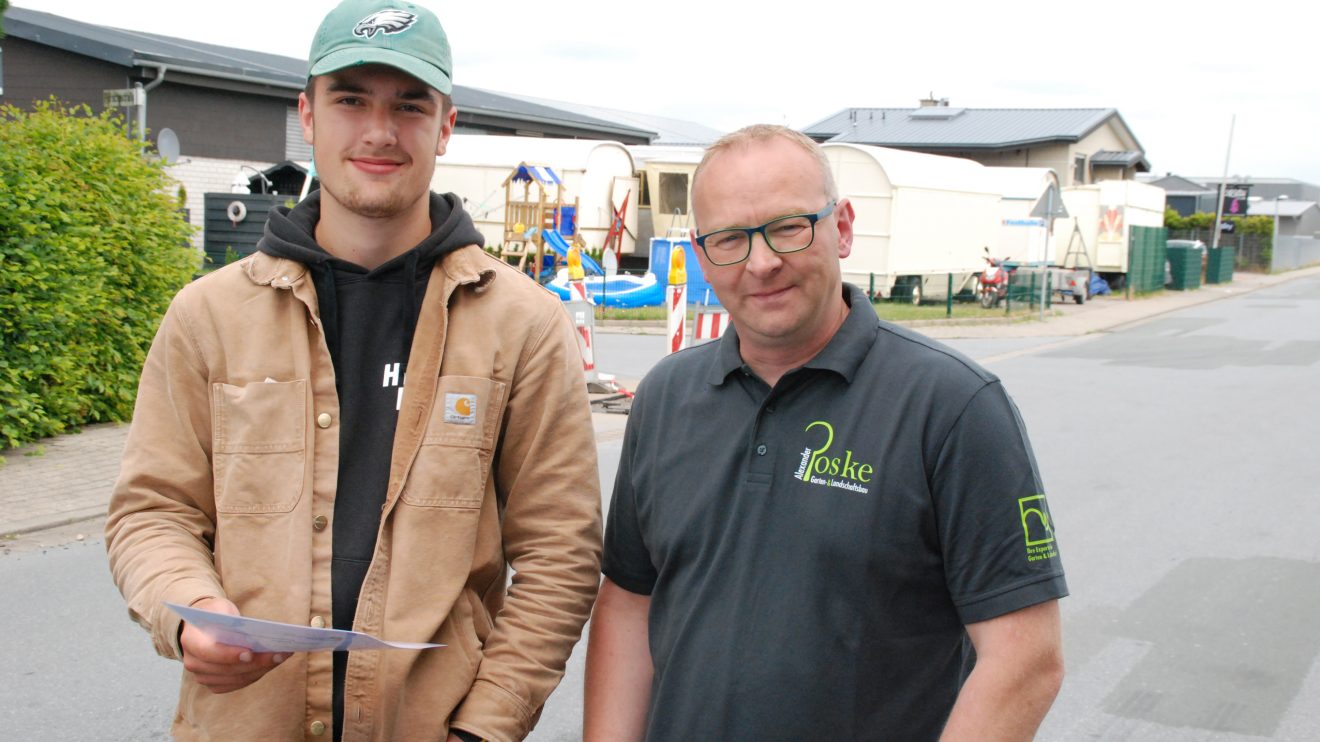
x=1178, y=456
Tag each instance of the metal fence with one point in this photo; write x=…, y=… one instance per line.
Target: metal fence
x=1294, y=252
x=1253, y=251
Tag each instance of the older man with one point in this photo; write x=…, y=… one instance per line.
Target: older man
x=823, y=526
x=366, y=425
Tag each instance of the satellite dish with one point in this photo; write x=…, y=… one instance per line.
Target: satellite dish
x=167, y=144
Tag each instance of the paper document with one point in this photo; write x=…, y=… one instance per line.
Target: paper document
x=272, y=636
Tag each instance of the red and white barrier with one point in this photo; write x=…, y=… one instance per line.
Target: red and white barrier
x=677, y=318
x=710, y=325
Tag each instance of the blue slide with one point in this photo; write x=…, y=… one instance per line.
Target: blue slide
x=557, y=243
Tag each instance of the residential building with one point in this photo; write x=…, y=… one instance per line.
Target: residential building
x=1081, y=145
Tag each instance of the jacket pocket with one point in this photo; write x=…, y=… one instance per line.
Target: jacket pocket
x=454, y=460
x=259, y=432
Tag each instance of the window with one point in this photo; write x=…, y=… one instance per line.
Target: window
x=673, y=193
x=1079, y=170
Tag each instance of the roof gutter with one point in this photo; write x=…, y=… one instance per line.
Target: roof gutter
x=201, y=72
x=142, y=109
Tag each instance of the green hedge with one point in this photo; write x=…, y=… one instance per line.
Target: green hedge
x=91, y=251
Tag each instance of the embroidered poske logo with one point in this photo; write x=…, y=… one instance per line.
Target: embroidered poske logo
x=840, y=472
x=1037, y=528
x=460, y=409
x=385, y=21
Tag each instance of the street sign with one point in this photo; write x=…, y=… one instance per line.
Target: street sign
x=124, y=97
x=1235, y=199
x=1050, y=205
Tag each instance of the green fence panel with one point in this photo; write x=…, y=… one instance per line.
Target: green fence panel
x=1147, y=254
x=1184, y=268
x=1219, y=265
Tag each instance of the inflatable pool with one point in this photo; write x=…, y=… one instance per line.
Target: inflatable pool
x=616, y=291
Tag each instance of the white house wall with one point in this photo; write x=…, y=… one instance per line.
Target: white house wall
x=202, y=175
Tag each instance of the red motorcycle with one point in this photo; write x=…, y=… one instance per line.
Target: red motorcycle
x=992, y=284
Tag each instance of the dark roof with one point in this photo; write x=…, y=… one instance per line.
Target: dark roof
x=474, y=101
x=942, y=127
x=669, y=131
x=136, y=49
x=200, y=61
x=1179, y=185
x=1124, y=159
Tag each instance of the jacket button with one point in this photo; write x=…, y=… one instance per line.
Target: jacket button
x=317, y=728
x=323, y=420
x=760, y=450
x=319, y=523
x=318, y=622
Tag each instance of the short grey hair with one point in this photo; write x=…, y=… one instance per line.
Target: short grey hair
x=764, y=132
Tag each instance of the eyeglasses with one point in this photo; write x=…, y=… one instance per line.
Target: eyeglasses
x=787, y=234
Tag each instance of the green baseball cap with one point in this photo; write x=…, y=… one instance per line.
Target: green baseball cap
x=402, y=35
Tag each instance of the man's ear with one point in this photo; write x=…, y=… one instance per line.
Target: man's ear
x=446, y=131
x=305, y=117
x=844, y=217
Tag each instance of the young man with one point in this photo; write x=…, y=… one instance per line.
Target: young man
x=280, y=467
x=820, y=563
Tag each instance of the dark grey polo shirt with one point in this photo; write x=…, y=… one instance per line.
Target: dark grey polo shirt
x=813, y=551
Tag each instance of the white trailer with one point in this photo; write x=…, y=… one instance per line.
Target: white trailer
x=920, y=219
x=1022, y=237
x=666, y=205
x=1099, y=220
x=599, y=174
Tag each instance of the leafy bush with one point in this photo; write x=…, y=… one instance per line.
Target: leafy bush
x=92, y=248
x=1261, y=225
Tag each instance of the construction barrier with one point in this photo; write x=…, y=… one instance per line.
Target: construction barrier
x=677, y=302
x=710, y=324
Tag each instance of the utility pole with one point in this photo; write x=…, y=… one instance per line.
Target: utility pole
x=1223, y=182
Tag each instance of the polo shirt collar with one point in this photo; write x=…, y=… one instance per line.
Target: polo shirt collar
x=843, y=354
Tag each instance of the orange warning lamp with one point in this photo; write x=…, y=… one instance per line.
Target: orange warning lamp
x=575, y=272
x=677, y=264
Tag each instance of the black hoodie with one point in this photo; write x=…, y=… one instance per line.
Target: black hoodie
x=369, y=318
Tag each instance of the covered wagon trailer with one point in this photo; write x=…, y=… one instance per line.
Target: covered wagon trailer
x=1101, y=218
x=1022, y=236
x=665, y=208
x=920, y=219
x=598, y=174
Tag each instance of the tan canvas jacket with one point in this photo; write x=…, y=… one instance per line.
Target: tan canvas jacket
x=228, y=487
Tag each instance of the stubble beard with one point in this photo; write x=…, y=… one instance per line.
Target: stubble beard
x=382, y=206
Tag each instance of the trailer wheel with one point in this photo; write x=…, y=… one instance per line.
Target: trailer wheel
x=916, y=293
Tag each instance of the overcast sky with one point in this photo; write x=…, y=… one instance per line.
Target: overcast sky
x=1177, y=72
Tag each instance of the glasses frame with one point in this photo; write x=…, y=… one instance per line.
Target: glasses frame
x=753, y=231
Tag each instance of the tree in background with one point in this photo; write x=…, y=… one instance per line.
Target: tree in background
x=92, y=249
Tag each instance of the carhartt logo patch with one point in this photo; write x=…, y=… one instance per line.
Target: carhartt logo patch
x=461, y=409
x=385, y=21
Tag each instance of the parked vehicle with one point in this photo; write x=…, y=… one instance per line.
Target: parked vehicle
x=992, y=284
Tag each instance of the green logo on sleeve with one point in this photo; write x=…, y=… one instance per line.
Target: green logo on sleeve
x=1037, y=527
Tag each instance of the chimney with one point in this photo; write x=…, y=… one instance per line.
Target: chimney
x=932, y=102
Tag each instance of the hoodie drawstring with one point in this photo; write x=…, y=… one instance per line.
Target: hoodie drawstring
x=409, y=306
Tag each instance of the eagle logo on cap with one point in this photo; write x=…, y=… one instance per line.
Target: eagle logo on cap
x=386, y=21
